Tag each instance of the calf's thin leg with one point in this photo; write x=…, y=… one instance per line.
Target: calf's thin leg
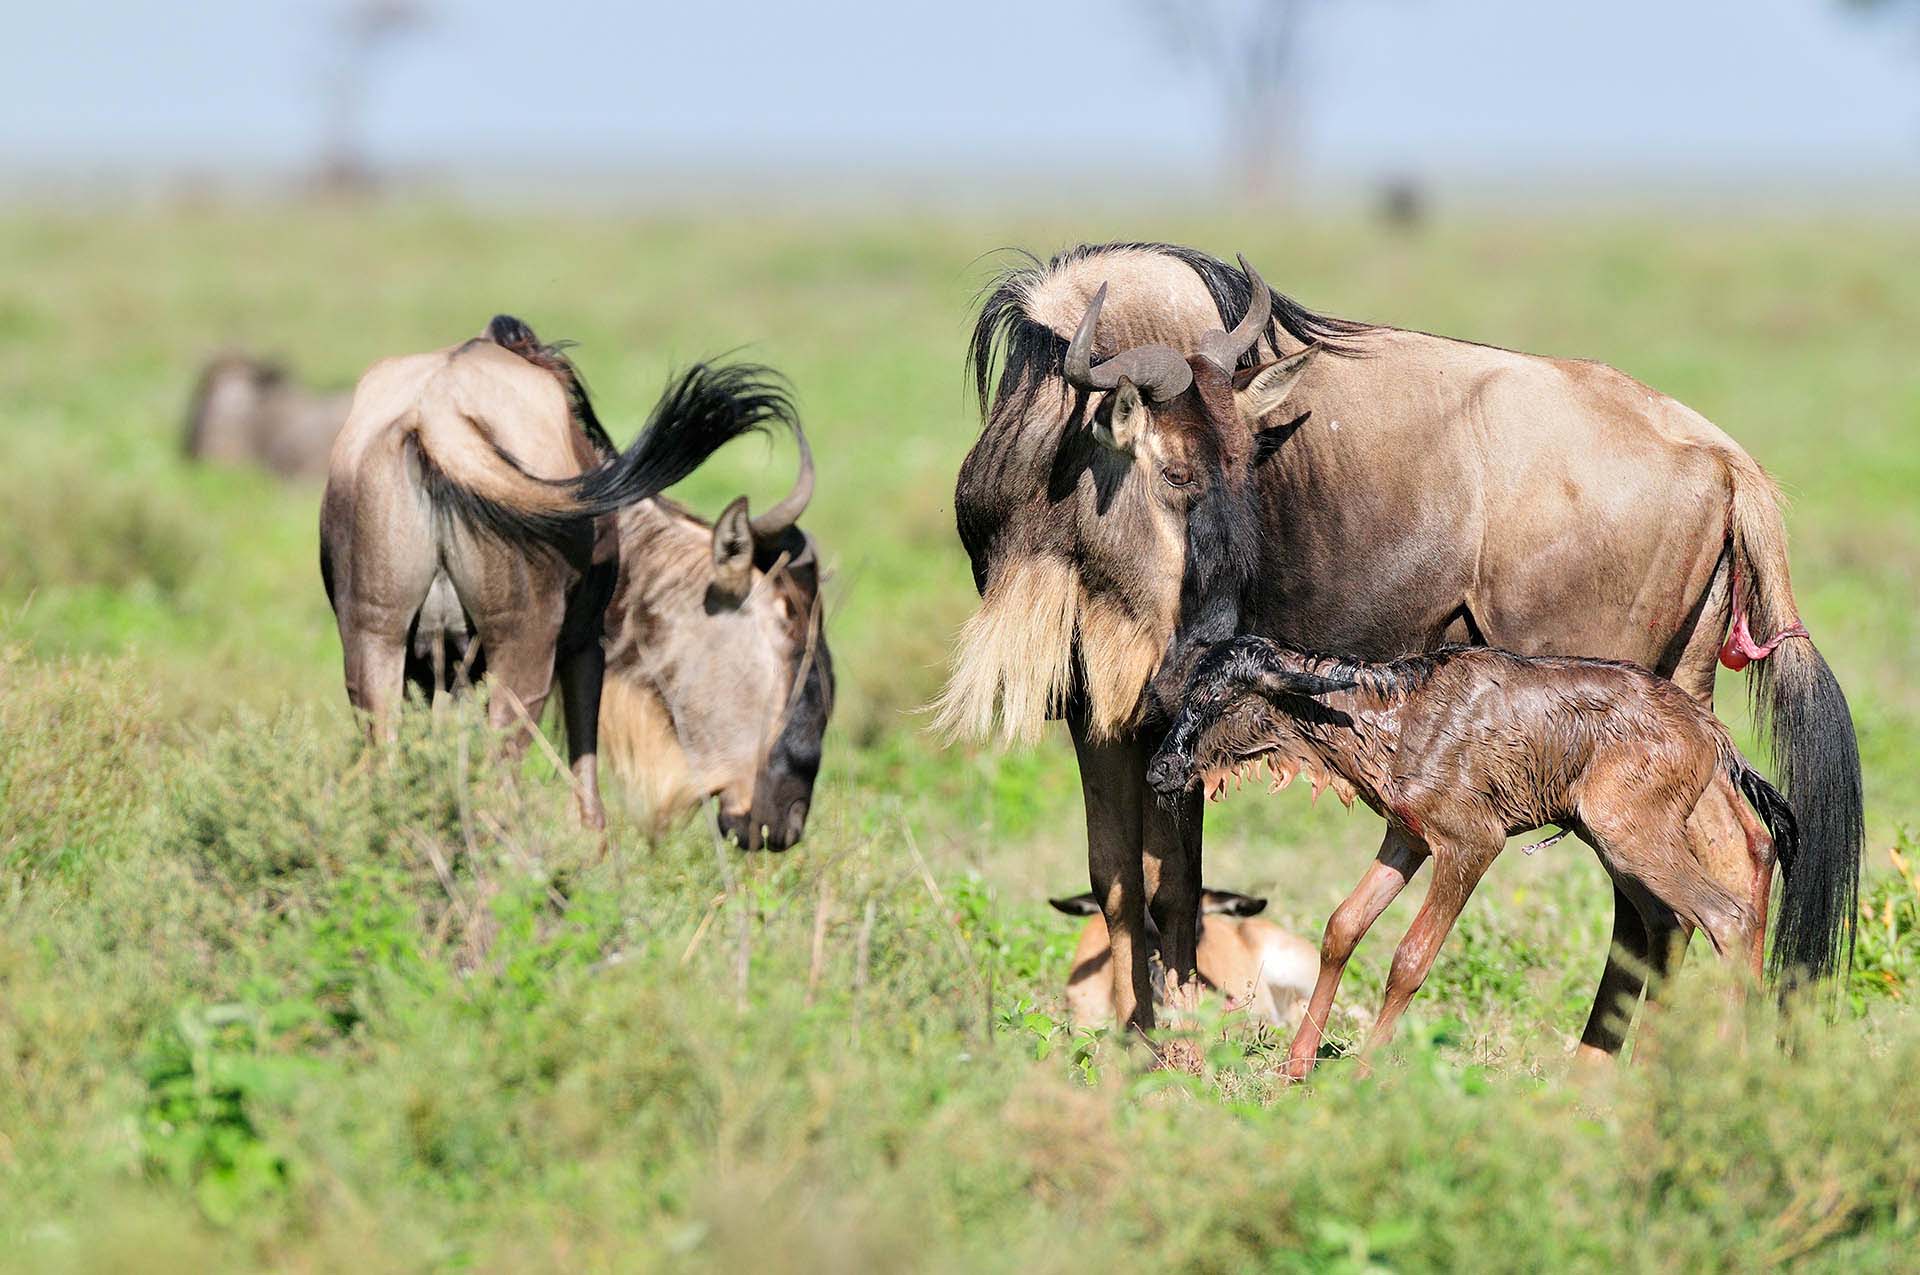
x=1399, y=858
x=1456, y=872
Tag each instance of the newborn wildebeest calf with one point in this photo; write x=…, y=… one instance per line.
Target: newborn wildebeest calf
x=1463, y=747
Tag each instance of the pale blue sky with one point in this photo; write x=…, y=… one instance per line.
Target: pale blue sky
x=1768, y=90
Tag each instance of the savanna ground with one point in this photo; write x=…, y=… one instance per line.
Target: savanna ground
x=263, y=1004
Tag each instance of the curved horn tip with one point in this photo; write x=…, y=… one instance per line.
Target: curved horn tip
x=786, y=513
x=1078, y=365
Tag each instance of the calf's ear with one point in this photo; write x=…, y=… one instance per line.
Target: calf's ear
x=1270, y=386
x=733, y=552
x=1076, y=905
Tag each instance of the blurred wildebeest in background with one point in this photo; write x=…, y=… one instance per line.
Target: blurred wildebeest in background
x=719, y=679
x=1251, y=961
x=249, y=411
x=1403, y=203
x=1406, y=491
x=465, y=525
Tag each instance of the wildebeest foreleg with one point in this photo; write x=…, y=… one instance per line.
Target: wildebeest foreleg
x=1113, y=787
x=1171, y=868
x=1456, y=871
x=581, y=674
x=1399, y=858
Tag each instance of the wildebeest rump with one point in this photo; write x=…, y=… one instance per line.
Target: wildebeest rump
x=1464, y=747
x=1409, y=491
x=249, y=411
x=464, y=526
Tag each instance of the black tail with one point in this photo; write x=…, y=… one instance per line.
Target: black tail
x=1817, y=756
x=1774, y=811
x=702, y=409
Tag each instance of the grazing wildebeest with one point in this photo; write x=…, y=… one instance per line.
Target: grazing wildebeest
x=246, y=411
x=1409, y=491
x=464, y=528
x=1251, y=961
x=1464, y=747
x=719, y=681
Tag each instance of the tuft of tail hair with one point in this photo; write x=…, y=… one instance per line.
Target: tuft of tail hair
x=701, y=409
x=1799, y=706
x=1774, y=811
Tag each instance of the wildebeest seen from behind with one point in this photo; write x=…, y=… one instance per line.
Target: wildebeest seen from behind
x=719, y=680
x=1407, y=491
x=465, y=527
x=249, y=411
x=1464, y=747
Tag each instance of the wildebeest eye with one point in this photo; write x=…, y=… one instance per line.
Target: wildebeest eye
x=1177, y=476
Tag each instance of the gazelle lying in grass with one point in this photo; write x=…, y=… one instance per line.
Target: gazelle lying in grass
x=1460, y=749
x=1252, y=962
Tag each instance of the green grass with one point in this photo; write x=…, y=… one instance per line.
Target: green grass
x=268, y=1002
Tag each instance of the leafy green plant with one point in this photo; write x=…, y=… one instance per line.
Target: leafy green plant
x=1886, y=955
x=206, y=1077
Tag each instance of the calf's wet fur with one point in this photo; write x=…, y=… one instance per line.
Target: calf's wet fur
x=1463, y=747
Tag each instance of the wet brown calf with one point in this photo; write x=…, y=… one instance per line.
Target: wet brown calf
x=1464, y=747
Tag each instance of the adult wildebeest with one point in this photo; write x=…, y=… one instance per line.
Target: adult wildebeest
x=1409, y=491
x=1251, y=961
x=719, y=681
x=249, y=412
x=464, y=527
x=1464, y=747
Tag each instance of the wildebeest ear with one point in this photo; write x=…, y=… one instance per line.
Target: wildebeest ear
x=1076, y=905
x=733, y=551
x=1227, y=903
x=1270, y=386
x=1127, y=419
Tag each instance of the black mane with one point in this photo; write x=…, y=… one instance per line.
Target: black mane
x=1025, y=352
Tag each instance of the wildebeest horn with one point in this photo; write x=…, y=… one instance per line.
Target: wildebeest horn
x=1158, y=370
x=1225, y=348
x=775, y=522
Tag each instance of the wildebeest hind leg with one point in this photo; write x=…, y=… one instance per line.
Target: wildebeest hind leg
x=1621, y=983
x=376, y=675
x=581, y=673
